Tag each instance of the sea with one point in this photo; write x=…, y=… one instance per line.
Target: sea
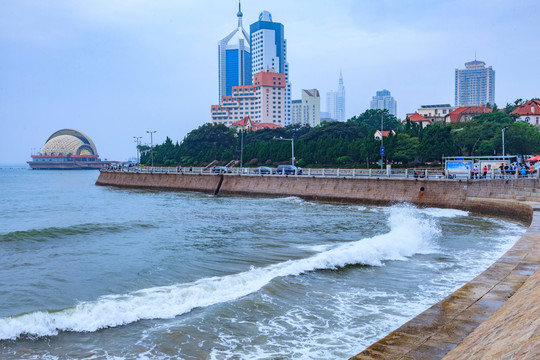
x=94, y=272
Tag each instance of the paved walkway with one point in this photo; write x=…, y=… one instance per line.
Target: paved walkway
x=494, y=316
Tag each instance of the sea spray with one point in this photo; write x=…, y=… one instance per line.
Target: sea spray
x=410, y=233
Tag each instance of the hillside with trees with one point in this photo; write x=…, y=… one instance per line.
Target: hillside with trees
x=352, y=143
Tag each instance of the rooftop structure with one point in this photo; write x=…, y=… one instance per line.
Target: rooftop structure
x=419, y=119
x=465, y=113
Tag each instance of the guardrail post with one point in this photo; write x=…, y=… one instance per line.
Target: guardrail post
x=323, y=172
x=337, y=172
x=425, y=174
x=309, y=171
x=369, y=173
x=353, y=172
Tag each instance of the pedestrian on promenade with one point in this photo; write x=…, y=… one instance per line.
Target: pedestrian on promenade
x=485, y=171
x=179, y=169
x=476, y=171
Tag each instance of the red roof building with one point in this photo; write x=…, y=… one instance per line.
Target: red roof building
x=465, y=113
x=419, y=119
x=247, y=125
x=529, y=112
x=384, y=133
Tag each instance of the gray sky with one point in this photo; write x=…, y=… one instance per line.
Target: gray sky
x=114, y=69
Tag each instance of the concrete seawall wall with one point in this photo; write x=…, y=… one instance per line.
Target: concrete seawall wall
x=479, y=196
x=461, y=325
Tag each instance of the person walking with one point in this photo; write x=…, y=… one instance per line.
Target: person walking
x=485, y=171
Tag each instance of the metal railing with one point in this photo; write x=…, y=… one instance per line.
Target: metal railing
x=411, y=173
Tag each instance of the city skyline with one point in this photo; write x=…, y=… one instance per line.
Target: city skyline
x=116, y=69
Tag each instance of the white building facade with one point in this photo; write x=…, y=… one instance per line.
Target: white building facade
x=307, y=111
x=263, y=102
x=269, y=51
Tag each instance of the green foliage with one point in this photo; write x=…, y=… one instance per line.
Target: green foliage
x=349, y=143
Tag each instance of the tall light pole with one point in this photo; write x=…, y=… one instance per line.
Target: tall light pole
x=241, y=150
x=292, y=146
x=382, y=141
x=152, y=146
x=138, y=142
x=503, y=131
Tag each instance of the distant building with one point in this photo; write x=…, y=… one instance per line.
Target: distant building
x=475, y=85
x=247, y=125
x=529, y=112
x=234, y=59
x=307, y=111
x=67, y=149
x=384, y=100
x=335, y=101
x=269, y=51
x=435, y=113
x=418, y=119
x=465, y=113
x=263, y=102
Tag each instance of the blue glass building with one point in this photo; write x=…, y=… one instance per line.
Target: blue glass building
x=234, y=59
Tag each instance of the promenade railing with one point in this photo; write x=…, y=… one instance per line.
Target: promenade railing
x=389, y=173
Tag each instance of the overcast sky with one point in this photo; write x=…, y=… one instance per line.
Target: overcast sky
x=114, y=69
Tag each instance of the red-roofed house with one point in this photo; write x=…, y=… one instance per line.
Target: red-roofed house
x=384, y=133
x=247, y=125
x=529, y=112
x=465, y=113
x=419, y=119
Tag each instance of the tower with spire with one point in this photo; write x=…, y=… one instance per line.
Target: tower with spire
x=335, y=101
x=234, y=58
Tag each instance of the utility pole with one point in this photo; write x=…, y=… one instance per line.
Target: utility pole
x=503, y=131
x=138, y=142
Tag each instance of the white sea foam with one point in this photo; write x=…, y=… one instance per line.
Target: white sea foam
x=410, y=234
x=444, y=213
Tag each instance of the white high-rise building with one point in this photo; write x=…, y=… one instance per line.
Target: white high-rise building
x=335, y=101
x=383, y=100
x=307, y=111
x=269, y=51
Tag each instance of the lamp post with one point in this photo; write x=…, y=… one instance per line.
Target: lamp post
x=241, y=150
x=292, y=147
x=138, y=142
x=152, y=146
x=382, y=141
x=503, y=131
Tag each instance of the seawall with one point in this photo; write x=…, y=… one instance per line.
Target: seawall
x=460, y=326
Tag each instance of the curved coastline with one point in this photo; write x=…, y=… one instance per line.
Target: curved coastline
x=492, y=316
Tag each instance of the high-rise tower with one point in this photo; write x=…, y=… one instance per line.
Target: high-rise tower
x=384, y=100
x=475, y=85
x=234, y=58
x=335, y=101
x=269, y=51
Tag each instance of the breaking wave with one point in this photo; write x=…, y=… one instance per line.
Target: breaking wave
x=410, y=233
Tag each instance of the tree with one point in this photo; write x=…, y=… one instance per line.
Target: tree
x=436, y=142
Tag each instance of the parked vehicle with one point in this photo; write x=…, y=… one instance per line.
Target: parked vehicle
x=288, y=170
x=221, y=170
x=263, y=170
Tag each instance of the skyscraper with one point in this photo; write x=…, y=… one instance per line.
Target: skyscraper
x=269, y=51
x=335, y=101
x=234, y=58
x=383, y=100
x=475, y=85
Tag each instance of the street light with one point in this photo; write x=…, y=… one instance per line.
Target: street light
x=503, y=131
x=152, y=146
x=138, y=142
x=292, y=146
x=382, y=142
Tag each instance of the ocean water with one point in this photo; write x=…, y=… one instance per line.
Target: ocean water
x=91, y=272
